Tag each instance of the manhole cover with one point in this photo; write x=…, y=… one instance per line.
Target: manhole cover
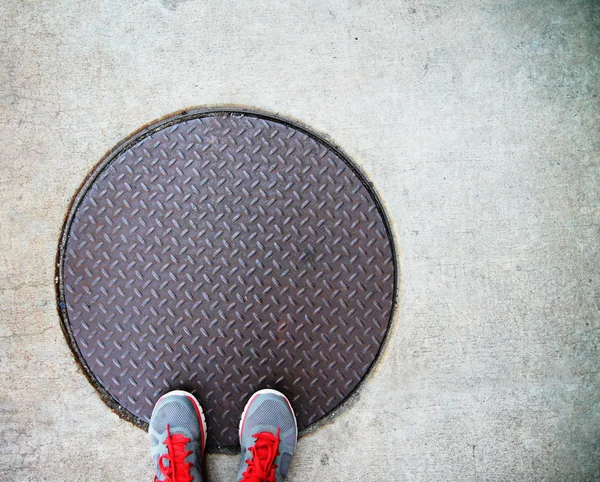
x=223, y=252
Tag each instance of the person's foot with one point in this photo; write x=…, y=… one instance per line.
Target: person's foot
x=177, y=434
x=268, y=435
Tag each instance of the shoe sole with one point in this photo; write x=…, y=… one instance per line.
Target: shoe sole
x=197, y=406
x=256, y=395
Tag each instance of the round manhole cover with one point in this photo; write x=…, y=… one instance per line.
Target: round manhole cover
x=223, y=252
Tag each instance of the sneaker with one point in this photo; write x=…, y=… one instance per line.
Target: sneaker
x=268, y=434
x=177, y=434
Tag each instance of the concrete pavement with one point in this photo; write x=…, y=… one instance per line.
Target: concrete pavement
x=477, y=121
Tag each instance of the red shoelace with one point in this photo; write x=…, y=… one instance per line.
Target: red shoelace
x=261, y=467
x=178, y=469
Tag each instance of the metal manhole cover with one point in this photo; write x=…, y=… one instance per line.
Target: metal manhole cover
x=223, y=252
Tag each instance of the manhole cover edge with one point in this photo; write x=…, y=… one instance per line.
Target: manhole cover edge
x=165, y=122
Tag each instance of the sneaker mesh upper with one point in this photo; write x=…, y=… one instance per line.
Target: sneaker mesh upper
x=270, y=413
x=175, y=415
x=290, y=439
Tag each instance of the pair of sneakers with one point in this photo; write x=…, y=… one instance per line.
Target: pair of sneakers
x=268, y=434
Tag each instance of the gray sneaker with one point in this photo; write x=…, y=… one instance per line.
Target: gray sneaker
x=268, y=435
x=177, y=434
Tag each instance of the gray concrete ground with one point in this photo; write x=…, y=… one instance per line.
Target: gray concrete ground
x=477, y=120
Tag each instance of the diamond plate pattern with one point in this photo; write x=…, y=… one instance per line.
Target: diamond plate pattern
x=223, y=253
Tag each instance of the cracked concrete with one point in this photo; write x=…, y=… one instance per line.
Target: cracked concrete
x=478, y=122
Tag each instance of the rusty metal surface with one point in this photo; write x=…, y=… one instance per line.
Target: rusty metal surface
x=224, y=252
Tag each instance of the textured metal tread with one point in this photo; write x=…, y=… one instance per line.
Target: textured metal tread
x=225, y=252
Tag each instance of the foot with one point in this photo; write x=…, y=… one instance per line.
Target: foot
x=268, y=435
x=177, y=438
